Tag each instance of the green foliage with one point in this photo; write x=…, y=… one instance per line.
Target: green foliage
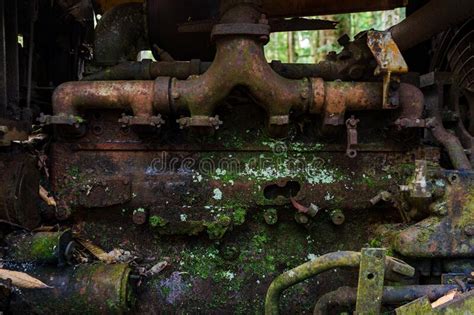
x=313, y=46
x=157, y=221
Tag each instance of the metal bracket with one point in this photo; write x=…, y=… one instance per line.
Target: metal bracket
x=371, y=279
x=389, y=62
x=251, y=29
x=200, y=121
x=403, y=123
x=418, y=306
x=154, y=121
x=70, y=120
x=282, y=120
x=352, y=137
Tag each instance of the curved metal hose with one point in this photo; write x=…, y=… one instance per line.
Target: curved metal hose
x=305, y=271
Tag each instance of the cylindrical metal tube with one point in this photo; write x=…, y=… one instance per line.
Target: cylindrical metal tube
x=305, y=271
x=346, y=296
x=85, y=289
x=120, y=34
x=431, y=19
x=42, y=247
x=138, y=96
x=335, y=98
x=147, y=70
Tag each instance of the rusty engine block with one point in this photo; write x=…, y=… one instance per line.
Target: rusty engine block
x=231, y=170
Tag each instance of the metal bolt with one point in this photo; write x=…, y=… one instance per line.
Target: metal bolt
x=301, y=218
x=313, y=210
x=140, y=216
x=270, y=216
x=337, y=217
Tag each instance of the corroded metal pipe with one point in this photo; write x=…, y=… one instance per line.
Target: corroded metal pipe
x=84, y=289
x=147, y=70
x=449, y=141
x=305, y=271
x=347, y=296
x=139, y=96
x=119, y=35
x=431, y=19
x=333, y=99
x=201, y=96
x=42, y=247
x=322, y=264
x=240, y=62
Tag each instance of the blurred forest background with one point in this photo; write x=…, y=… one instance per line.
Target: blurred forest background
x=313, y=46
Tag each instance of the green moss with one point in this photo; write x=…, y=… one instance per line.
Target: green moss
x=157, y=221
x=217, y=229
x=165, y=291
x=43, y=246
x=139, y=210
x=190, y=228
x=375, y=243
x=467, y=216
x=271, y=216
x=239, y=215
x=74, y=171
x=79, y=119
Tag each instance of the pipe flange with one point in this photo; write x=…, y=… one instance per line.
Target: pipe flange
x=60, y=119
x=200, y=121
x=281, y=120
x=154, y=121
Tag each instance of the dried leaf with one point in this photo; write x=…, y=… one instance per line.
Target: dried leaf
x=445, y=299
x=156, y=269
x=22, y=280
x=46, y=229
x=45, y=196
x=95, y=250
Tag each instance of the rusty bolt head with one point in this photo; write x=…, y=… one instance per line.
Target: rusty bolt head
x=301, y=218
x=337, y=217
x=140, y=216
x=270, y=216
x=62, y=212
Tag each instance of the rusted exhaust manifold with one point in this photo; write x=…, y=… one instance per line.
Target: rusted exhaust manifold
x=148, y=98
